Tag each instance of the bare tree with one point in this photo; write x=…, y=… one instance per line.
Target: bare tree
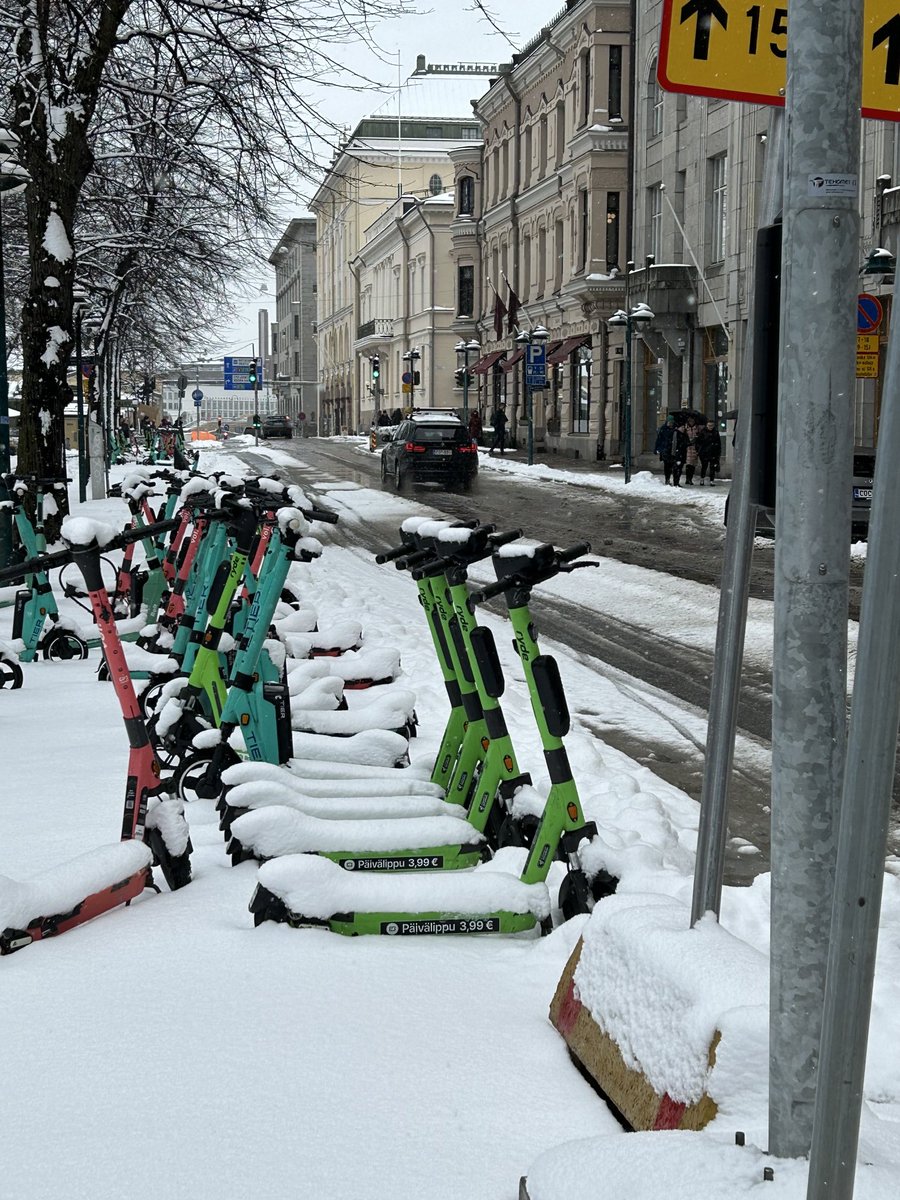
x=230, y=75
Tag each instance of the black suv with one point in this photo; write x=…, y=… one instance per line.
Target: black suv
x=279, y=426
x=431, y=445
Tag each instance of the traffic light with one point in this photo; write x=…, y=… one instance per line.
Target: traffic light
x=182, y=385
x=417, y=378
x=149, y=386
x=253, y=373
x=376, y=367
x=459, y=378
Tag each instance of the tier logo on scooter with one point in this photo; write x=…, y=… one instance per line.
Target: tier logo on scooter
x=392, y=927
x=348, y=864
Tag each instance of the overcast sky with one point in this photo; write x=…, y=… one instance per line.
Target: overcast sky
x=444, y=33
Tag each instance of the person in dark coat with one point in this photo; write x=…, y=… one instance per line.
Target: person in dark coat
x=498, y=420
x=665, y=436
x=709, y=450
x=475, y=427
x=679, y=453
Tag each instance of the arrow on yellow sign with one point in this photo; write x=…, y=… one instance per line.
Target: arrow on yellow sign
x=737, y=51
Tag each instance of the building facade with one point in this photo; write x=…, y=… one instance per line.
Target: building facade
x=294, y=351
x=400, y=150
x=551, y=198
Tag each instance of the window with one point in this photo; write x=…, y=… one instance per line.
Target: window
x=580, y=389
x=587, y=99
x=434, y=131
x=584, y=218
x=435, y=185
x=525, y=270
x=559, y=254
x=504, y=180
x=296, y=365
x=465, y=291
x=612, y=230
x=466, y=196
x=542, y=152
x=654, y=220
x=614, y=102
x=527, y=169
x=470, y=133
x=542, y=261
x=560, y=131
x=718, y=208
x=654, y=106
x=296, y=327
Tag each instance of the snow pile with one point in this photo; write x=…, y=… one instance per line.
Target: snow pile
x=82, y=531
x=270, y=832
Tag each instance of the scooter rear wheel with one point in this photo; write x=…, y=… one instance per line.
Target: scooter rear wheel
x=188, y=780
x=64, y=645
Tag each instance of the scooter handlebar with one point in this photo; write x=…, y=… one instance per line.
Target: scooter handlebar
x=490, y=590
x=32, y=566
x=390, y=555
x=572, y=552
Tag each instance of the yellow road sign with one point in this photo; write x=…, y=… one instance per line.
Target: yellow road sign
x=867, y=366
x=739, y=51
x=867, y=343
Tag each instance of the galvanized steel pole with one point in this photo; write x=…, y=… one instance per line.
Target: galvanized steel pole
x=812, y=538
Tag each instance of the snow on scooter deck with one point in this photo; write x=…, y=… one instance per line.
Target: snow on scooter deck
x=390, y=712
x=398, y=844
x=71, y=893
x=371, y=748
x=303, y=890
x=333, y=806
x=387, y=781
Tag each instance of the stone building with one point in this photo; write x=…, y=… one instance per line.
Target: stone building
x=399, y=150
x=294, y=351
x=549, y=201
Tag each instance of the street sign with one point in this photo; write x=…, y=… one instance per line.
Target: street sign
x=536, y=365
x=407, y=388
x=738, y=52
x=867, y=343
x=867, y=366
x=869, y=313
x=196, y=395
x=236, y=374
x=406, y=377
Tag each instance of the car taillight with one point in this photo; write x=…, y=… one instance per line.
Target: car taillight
x=413, y=448
x=469, y=448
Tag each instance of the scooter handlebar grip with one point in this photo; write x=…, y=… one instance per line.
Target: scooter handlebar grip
x=390, y=555
x=572, y=552
x=325, y=515
x=413, y=560
x=502, y=539
x=32, y=566
x=490, y=590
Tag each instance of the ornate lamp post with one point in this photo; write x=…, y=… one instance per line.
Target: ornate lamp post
x=13, y=178
x=637, y=317
x=463, y=350
x=524, y=339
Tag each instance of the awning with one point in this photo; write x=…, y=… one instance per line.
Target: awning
x=565, y=348
x=484, y=364
x=514, y=358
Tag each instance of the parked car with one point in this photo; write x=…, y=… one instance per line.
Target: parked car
x=430, y=445
x=860, y=499
x=277, y=426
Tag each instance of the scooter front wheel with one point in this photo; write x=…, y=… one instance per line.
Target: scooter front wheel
x=64, y=645
x=190, y=780
x=10, y=674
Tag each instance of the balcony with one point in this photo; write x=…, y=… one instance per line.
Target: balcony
x=370, y=333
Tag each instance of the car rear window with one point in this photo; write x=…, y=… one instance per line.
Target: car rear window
x=438, y=433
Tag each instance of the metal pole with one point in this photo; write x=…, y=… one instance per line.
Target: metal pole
x=725, y=689
x=79, y=401
x=529, y=414
x=864, y=820
x=466, y=387
x=5, y=514
x=626, y=448
x=812, y=539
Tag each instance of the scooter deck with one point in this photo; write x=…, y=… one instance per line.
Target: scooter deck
x=305, y=891
x=72, y=893
x=388, y=782
x=401, y=844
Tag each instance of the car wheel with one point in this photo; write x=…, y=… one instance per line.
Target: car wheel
x=384, y=469
x=398, y=477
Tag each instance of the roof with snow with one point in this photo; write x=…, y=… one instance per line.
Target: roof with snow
x=427, y=97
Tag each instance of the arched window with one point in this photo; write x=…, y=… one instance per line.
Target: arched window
x=466, y=196
x=654, y=104
x=435, y=185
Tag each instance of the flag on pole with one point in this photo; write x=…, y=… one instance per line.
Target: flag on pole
x=513, y=310
x=499, y=313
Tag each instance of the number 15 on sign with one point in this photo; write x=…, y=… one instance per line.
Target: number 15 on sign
x=738, y=51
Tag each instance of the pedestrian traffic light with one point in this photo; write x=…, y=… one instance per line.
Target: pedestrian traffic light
x=459, y=378
x=252, y=373
x=182, y=385
x=376, y=366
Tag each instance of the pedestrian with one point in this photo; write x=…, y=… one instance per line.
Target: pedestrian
x=384, y=418
x=691, y=433
x=498, y=420
x=665, y=436
x=709, y=449
x=396, y=416
x=679, y=453
x=475, y=426
x=219, y=428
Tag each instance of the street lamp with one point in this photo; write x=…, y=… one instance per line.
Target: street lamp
x=637, y=317
x=463, y=350
x=529, y=337
x=412, y=357
x=13, y=178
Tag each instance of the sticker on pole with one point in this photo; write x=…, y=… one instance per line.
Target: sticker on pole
x=869, y=313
